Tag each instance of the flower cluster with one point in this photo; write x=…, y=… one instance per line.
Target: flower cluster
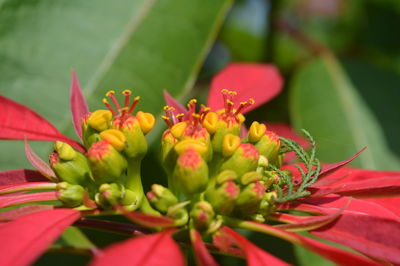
x=220, y=176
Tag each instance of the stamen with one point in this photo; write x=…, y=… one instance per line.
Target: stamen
x=166, y=120
x=109, y=107
x=110, y=94
x=229, y=108
x=127, y=94
x=180, y=117
x=244, y=105
x=134, y=103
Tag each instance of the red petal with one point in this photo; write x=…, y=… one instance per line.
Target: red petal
x=27, y=186
x=154, y=249
x=374, y=236
x=38, y=163
x=203, y=257
x=78, y=104
x=258, y=81
x=370, y=188
x=147, y=219
x=20, y=176
x=24, y=239
x=334, y=254
x=15, y=213
x=7, y=201
x=357, y=206
x=255, y=256
x=331, y=168
x=19, y=122
x=312, y=222
x=174, y=103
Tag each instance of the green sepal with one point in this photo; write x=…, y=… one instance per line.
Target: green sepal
x=70, y=195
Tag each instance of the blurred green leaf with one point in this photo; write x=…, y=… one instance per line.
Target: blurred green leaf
x=324, y=102
x=144, y=45
x=73, y=237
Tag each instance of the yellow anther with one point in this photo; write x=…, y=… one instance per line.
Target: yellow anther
x=172, y=108
x=115, y=137
x=64, y=151
x=206, y=109
x=180, y=115
x=125, y=108
x=178, y=129
x=230, y=144
x=166, y=107
x=105, y=101
x=243, y=103
x=229, y=102
x=165, y=117
x=251, y=100
x=108, y=93
x=196, y=115
x=100, y=119
x=137, y=98
x=232, y=92
x=127, y=92
x=224, y=91
x=241, y=118
x=192, y=101
x=146, y=121
x=185, y=145
x=256, y=131
x=210, y=122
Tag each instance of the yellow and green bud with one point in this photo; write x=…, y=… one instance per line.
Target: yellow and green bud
x=70, y=165
x=249, y=199
x=269, y=145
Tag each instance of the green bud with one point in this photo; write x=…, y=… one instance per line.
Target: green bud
x=70, y=165
x=269, y=146
x=70, y=195
x=168, y=154
x=191, y=173
x=202, y=215
x=250, y=177
x=222, y=197
x=109, y=194
x=225, y=176
x=267, y=204
x=161, y=198
x=243, y=160
x=249, y=199
x=107, y=164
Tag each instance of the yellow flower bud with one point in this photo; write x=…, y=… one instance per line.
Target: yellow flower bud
x=100, y=119
x=146, y=121
x=229, y=144
x=256, y=131
x=115, y=137
x=185, y=145
x=178, y=129
x=65, y=151
x=211, y=122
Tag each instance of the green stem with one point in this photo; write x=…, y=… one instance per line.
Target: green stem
x=134, y=183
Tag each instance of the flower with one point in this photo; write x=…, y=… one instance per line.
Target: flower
x=218, y=178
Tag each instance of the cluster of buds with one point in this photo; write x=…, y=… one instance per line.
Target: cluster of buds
x=109, y=172
x=212, y=166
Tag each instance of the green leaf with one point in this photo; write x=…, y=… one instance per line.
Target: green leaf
x=144, y=45
x=324, y=102
x=73, y=237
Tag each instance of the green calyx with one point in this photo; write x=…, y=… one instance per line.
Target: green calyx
x=70, y=195
x=161, y=198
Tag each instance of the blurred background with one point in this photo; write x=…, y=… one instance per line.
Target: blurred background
x=340, y=61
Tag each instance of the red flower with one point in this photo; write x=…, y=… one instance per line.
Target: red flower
x=338, y=203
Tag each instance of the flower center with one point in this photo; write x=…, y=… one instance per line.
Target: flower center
x=229, y=114
x=121, y=114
